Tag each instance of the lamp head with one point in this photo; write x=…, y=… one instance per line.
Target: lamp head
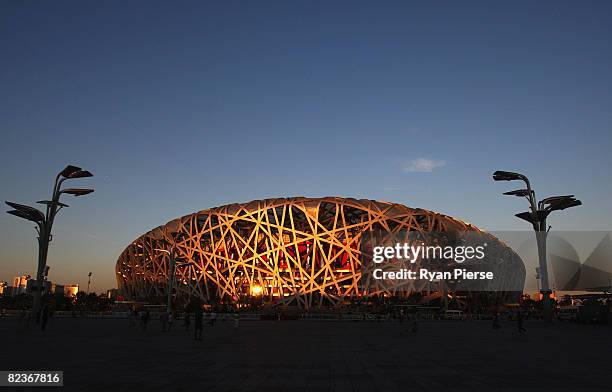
x=518, y=192
x=49, y=202
x=69, y=170
x=563, y=204
x=24, y=215
x=80, y=174
x=35, y=214
x=77, y=191
x=506, y=176
x=556, y=199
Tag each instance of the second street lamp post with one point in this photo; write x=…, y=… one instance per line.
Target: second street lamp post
x=537, y=215
x=44, y=222
x=88, y=282
x=171, y=273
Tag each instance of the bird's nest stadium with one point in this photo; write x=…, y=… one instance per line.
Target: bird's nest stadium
x=305, y=252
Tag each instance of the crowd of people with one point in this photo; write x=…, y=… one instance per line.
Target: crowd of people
x=142, y=317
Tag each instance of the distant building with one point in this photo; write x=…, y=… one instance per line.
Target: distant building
x=71, y=290
x=25, y=284
x=20, y=285
x=57, y=289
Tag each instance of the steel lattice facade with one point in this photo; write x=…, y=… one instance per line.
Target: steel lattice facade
x=295, y=251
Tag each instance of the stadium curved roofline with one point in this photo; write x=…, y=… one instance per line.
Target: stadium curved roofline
x=300, y=251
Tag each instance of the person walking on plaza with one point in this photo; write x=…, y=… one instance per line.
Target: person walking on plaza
x=144, y=319
x=496, y=324
x=170, y=320
x=44, y=316
x=519, y=320
x=187, y=321
x=213, y=319
x=132, y=317
x=199, y=324
x=415, y=324
x=163, y=319
x=26, y=318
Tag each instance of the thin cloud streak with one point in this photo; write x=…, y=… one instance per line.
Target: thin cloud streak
x=422, y=165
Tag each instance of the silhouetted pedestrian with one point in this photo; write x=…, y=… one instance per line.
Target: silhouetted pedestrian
x=163, y=319
x=187, y=321
x=519, y=320
x=132, y=317
x=26, y=318
x=44, y=317
x=144, y=319
x=496, y=324
x=415, y=324
x=199, y=324
x=213, y=319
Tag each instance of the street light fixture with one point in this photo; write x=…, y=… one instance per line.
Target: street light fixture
x=45, y=221
x=518, y=192
x=554, y=199
x=537, y=214
x=35, y=214
x=69, y=170
x=562, y=205
x=77, y=191
x=49, y=202
x=80, y=174
x=25, y=215
x=507, y=176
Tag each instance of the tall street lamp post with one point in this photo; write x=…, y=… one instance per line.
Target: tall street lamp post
x=171, y=272
x=88, y=282
x=537, y=214
x=44, y=222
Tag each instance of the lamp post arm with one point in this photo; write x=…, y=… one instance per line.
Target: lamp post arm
x=43, y=240
x=55, y=195
x=532, y=203
x=55, y=212
x=171, y=276
x=52, y=209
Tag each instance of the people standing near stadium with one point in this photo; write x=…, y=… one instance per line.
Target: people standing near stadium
x=163, y=318
x=519, y=319
x=199, y=316
x=187, y=321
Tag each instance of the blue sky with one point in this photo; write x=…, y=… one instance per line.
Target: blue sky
x=180, y=106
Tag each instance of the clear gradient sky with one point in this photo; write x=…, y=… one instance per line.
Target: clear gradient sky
x=180, y=106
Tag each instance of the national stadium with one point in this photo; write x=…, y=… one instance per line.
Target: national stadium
x=304, y=252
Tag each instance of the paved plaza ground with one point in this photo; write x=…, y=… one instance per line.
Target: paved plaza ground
x=106, y=354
